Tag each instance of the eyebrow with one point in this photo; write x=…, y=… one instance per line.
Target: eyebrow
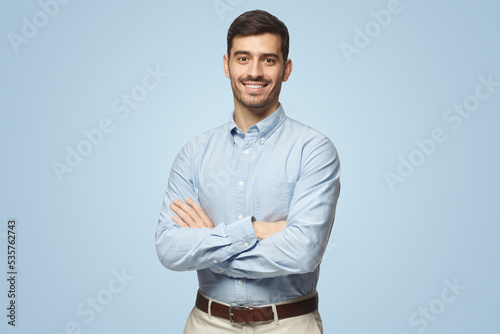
x=247, y=53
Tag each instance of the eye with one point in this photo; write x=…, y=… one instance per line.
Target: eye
x=243, y=59
x=269, y=61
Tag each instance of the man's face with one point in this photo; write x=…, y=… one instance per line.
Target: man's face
x=256, y=68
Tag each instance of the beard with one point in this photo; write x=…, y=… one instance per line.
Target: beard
x=254, y=101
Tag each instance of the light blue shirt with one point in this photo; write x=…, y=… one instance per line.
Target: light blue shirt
x=279, y=170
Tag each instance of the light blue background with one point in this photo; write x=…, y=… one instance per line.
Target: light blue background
x=391, y=249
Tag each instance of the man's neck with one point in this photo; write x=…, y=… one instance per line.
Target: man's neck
x=246, y=117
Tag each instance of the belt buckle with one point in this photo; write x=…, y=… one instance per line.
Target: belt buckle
x=231, y=308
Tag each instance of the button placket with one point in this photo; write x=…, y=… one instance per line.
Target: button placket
x=244, y=159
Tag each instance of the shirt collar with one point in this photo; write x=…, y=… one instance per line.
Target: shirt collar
x=266, y=127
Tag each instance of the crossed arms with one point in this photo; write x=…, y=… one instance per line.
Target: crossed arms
x=186, y=239
x=190, y=214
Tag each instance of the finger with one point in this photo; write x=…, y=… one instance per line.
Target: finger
x=182, y=215
x=201, y=213
x=189, y=210
x=179, y=221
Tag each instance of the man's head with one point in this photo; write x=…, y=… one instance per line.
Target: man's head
x=257, y=61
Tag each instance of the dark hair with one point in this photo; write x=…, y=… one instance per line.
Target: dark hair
x=256, y=22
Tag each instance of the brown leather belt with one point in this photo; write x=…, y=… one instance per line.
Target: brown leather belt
x=254, y=314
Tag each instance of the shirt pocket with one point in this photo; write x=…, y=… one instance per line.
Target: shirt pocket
x=273, y=200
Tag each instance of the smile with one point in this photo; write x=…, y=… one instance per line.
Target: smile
x=254, y=86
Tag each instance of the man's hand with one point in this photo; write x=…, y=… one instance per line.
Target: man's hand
x=266, y=229
x=190, y=214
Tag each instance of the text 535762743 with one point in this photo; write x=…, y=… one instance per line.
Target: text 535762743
x=11, y=271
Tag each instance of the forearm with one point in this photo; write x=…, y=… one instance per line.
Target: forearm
x=184, y=248
x=297, y=249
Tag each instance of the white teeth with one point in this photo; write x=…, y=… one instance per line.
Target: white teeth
x=254, y=86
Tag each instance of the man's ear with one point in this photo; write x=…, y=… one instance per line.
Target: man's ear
x=288, y=70
x=225, y=61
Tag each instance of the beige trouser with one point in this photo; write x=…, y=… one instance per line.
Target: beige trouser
x=200, y=322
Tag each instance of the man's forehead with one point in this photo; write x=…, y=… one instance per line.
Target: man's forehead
x=262, y=43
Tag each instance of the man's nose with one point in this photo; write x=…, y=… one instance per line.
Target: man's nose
x=255, y=70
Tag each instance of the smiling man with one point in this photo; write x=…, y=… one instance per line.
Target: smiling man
x=250, y=204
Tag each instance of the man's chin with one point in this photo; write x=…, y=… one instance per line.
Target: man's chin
x=253, y=104
x=257, y=108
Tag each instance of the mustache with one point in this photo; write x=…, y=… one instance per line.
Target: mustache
x=257, y=79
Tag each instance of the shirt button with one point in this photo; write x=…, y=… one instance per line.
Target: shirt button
x=240, y=282
x=241, y=183
x=245, y=151
x=262, y=139
x=245, y=244
x=240, y=217
x=221, y=270
x=215, y=261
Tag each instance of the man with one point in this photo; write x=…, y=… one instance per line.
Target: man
x=250, y=204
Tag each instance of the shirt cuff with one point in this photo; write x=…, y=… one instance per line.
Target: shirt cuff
x=242, y=233
x=242, y=237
